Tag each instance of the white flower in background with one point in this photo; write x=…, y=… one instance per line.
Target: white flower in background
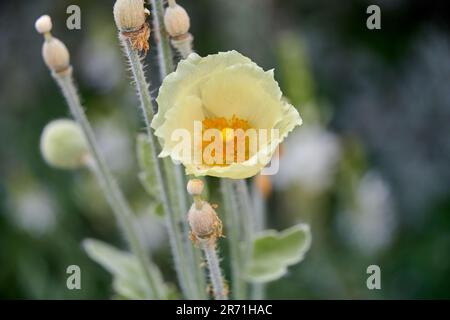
x=115, y=144
x=309, y=159
x=97, y=56
x=151, y=231
x=371, y=223
x=34, y=211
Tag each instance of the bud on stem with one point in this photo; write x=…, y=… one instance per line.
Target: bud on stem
x=206, y=227
x=63, y=144
x=130, y=17
x=177, y=24
x=55, y=53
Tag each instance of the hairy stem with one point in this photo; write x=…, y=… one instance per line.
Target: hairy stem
x=258, y=290
x=246, y=213
x=215, y=274
x=176, y=242
x=166, y=65
x=163, y=43
x=248, y=220
x=109, y=186
x=232, y=223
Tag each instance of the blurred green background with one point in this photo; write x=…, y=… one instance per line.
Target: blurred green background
x=369, y=169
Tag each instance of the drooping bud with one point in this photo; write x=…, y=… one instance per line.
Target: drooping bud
x=43, y=24
x=195, y=187
x=63, y=144
x=204, y=222
x=129, y=15
x=176, y=20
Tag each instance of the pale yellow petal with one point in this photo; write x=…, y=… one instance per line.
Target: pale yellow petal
x=222, y=85
x=189, y=76
x=181, y=117
x=245, y=91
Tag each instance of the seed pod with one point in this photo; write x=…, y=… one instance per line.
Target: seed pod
x=63, y=144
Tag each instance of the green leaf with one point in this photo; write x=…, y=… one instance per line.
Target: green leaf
x=127, y=273
x=273, y=252
x=147, y=176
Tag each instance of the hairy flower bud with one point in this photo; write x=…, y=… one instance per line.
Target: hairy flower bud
x=43, y=24
x=56, y=55
x=176, y=21
x=195, y=187
x=63, y=144
x=129, y=15
x=204, y=222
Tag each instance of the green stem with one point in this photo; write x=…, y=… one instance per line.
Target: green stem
x=176, y=241
x=232, y=223
x=163, y=43
x=258, y=290
x=215, y=274
x=166, y=65
x=111, y=190
x=249, y=221
x=246, y=213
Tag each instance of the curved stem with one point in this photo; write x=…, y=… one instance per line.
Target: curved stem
x=112, y=192
x=219, y=289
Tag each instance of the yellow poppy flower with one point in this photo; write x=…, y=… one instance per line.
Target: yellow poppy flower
x=231, y=95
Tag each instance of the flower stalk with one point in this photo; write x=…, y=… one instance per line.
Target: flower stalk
x=232, y=222
x=219, y=289
x=112, y=192
x=261, y=190
x=206, y=228
x=171, y=220
x=177, y=24
x=175, y=174
x=165, y=56
x=57, y=58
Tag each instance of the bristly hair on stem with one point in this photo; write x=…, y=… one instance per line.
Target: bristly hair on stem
x=176, y=176
x=182, y=262
x=206, y=228
x=57, y=58
x=142, y=86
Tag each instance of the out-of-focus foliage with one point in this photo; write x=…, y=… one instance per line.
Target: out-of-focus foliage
x=273, y=252
x=368, y=170
x=126, y=271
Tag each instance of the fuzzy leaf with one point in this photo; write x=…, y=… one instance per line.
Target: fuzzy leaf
x=126, y=270
x=274, y=251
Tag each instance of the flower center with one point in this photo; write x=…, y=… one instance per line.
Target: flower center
x=233, y=145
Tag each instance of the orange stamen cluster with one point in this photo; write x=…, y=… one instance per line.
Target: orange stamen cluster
x=227, y=127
